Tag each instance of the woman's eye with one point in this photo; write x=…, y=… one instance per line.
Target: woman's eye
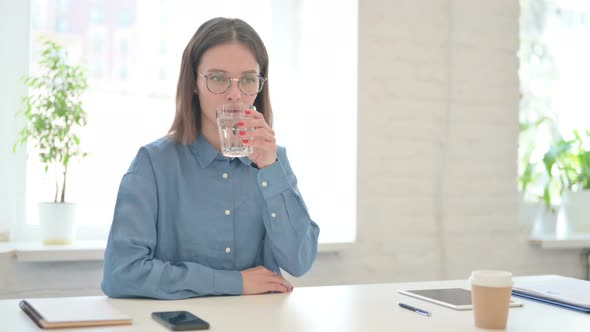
x=218, y=77
x=249, y=79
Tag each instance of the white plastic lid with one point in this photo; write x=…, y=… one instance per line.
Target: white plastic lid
x=490, y=278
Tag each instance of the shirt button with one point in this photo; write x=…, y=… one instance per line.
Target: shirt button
x=227, y=250
x=225, y=175
x=227, y=212
x=264, y=184
x=274, y=215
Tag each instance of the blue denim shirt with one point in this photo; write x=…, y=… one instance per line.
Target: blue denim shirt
x=188, y=220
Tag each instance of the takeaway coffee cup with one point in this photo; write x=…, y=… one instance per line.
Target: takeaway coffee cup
x=490, y=295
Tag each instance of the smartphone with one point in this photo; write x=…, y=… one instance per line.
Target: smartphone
x=180, y=320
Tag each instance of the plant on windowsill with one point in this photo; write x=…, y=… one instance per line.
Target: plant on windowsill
x=53, y=112
x=567, y=165
x=536, y=134
x=529, y=170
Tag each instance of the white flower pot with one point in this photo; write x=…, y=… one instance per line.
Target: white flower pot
x=576, y=211
x=527, y=214
x=545, y=221
x=58, y=222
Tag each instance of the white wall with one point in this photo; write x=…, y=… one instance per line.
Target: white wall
x=14, y=35
x=438, y=126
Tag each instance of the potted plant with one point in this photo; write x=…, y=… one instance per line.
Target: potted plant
x=536, y=133
x=567, y=163
x=53, y=112
x=529, y=174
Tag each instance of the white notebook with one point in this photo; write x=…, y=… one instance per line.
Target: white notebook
x=562, y=289
x=73, y=312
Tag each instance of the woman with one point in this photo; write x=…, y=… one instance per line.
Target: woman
x=190, y=222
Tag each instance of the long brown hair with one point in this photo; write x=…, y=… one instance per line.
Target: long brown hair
x=187, y=121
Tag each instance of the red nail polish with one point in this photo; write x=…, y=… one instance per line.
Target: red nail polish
x=240, y=124
x=242, y=133
x=248, y=112
x=245, y=141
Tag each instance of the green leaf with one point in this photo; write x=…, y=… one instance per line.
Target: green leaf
x=556, y=152
x=547, y=196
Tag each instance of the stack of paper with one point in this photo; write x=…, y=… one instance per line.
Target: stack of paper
x=557, y=290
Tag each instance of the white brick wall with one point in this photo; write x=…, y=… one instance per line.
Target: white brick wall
x=438, y=126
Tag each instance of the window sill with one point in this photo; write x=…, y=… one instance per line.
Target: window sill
x=552, y=241
x=34, y=252
x=37, y=252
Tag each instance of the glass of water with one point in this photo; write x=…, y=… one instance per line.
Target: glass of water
x=231, y=134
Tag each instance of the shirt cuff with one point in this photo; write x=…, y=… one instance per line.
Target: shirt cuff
x=272, y=180
x=227, y=282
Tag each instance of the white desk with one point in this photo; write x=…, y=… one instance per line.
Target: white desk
x=326, y=309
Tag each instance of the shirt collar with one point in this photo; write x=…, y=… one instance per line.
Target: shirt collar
x=246, y=161
x=206, y=153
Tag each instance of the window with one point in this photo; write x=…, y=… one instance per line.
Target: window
x=553, y=70
x=97, y=45
x=123, y=73
x=123, y=46
x=125, y=18
x=313, y=75
x=95, y=70
x=62, y=4
x=62, y=24
x=96, y=15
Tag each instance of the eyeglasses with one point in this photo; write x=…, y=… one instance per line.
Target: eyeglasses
x=219, y=83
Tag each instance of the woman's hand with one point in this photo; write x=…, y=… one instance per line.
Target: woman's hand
x=259, y=280
x=261, y=138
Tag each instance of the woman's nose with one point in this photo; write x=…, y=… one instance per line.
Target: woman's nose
x=233, y=93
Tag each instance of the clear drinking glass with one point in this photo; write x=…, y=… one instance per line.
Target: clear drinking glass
x=229, y=116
